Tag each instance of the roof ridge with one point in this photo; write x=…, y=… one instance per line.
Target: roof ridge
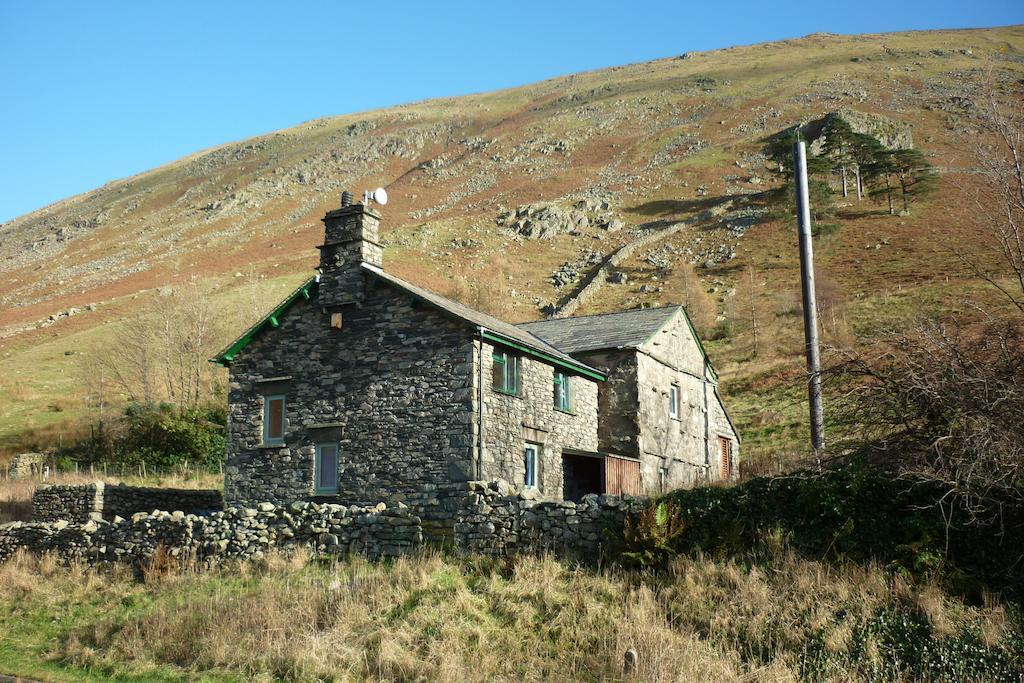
x=531, y=340
x=598, y=315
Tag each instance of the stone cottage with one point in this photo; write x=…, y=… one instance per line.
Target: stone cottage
x=361, y=387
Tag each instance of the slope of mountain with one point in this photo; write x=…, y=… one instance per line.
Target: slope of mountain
x=657, y=164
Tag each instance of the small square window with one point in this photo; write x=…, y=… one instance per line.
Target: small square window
x=563, y=396
x=273, y=420
x=505, y=372
x=530, y=466
x=326, y=468
x=673, y=401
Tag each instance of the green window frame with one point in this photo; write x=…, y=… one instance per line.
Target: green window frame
x=562, y=392
x=274, y=419
x=506, y=373
x=325, y=468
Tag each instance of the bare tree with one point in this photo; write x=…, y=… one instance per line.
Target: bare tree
x=162, y=356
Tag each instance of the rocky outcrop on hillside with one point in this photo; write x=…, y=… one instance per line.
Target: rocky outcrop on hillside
x=546, y=219
x=891, y=133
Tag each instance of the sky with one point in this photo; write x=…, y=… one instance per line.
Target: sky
x=99, y=90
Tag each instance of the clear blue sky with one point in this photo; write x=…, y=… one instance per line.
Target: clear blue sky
x=94, y=91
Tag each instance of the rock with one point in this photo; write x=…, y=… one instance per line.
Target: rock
x=618, y=278
x=266, y=507
x=614, y=225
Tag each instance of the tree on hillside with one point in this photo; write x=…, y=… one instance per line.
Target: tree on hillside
x=906, y=171
x=915, y=175
x=780, y=150
x=865, y=150
x=838, y=149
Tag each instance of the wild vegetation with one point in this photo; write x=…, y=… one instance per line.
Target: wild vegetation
x=772, y=618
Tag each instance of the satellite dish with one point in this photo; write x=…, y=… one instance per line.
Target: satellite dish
x=378, y=196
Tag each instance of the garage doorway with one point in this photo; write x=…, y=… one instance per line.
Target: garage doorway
x=581, y=474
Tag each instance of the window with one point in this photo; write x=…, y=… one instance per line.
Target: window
x=505, y=372
x=273, y=420
x=725, y=448
x=673, y=401
x=530, y=463
x=326, y=468
x=563, y=399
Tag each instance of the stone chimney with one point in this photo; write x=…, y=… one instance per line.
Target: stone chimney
x=350, y=239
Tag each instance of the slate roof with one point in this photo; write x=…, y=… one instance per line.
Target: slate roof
x=476, y=318
x=626, y=329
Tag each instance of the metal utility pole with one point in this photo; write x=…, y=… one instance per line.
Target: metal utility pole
x=803, y=215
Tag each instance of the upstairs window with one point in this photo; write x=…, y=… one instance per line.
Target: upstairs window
x=273, y=420
x=530, y=466
x=673, y=401
x=505, y=372
x=563, y=397
x=326, y=468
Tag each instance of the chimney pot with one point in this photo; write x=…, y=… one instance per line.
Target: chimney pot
x=346, y=198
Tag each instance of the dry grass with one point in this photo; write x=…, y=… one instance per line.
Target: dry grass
x=432, y=617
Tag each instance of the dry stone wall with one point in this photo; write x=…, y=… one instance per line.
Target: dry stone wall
x=496, y=522
x=479, y=517
x=101, y=501
x=25, y=465
x=235, y=533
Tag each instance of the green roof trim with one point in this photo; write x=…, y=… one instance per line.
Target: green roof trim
x=272, y=320
x=547, y=358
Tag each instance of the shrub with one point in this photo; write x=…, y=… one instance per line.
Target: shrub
x=160, y=436
x=855, y=513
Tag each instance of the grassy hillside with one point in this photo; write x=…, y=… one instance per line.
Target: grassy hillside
x=660, y=142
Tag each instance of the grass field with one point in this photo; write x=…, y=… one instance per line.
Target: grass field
x=435, y=617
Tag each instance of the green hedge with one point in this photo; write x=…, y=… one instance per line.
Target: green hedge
x=856, y=513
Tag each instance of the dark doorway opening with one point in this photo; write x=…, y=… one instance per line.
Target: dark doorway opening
x=581, y=474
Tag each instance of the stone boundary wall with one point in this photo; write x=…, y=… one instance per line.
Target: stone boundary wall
x=101, y=501
x=235, y=533
x=477, y=517
x=496, y=522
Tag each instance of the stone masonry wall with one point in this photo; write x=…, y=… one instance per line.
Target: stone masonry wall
x=495, y=521
x=674, y=452
x=235, y=533
x=71, y=503
x=25, y=465
x=125, y=501
x=479, y=517
x=618, y=429
x=392, y=387
x=511, y=421
x=100, y=501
